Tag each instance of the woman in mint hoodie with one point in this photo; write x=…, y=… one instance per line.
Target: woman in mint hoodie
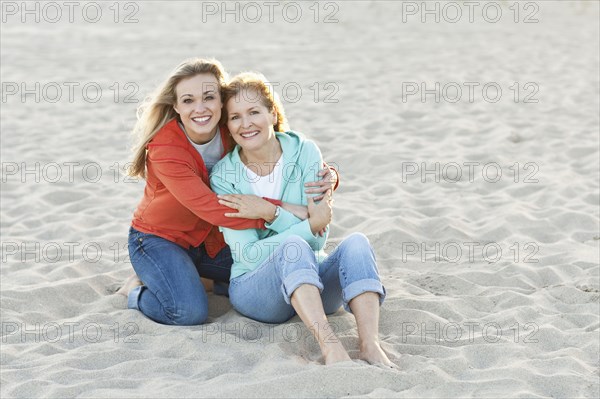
x=282, y=271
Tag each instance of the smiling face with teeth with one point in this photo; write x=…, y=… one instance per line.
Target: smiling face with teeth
x=199, y=106
x=250, y=121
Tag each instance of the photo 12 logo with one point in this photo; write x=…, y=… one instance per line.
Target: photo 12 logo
x=68, y=172
x=469, y=252
x=50, y=252
x=270, y=11
x=53, y=92
x=471, y=11
x=454, y=172
x=292, y=92
x=16, y=332
x=468, y=331
x=470, y=92
x=69, y=11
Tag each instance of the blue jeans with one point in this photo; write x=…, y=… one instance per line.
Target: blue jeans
x=350, y=270
x=173, y=292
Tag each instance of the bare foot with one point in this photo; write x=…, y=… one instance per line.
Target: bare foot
x=335, y=353
x=208, y=284
x=132, y=282
x=373, y=354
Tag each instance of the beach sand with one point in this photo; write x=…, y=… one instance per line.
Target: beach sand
x=492, y=276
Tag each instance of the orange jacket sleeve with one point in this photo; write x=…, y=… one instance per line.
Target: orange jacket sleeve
x=173, y=167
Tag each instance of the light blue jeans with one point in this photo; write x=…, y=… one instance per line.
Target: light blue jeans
x=350, y=270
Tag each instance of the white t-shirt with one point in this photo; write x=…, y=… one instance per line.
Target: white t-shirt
x=266, y=186
x=210, y=152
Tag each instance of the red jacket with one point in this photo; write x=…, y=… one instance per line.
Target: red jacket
x=178, y=204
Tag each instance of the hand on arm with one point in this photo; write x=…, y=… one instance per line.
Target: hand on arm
x=253, y=207
x=248, y=206
x=245, y=244
x=329, y=179
x=172, y=167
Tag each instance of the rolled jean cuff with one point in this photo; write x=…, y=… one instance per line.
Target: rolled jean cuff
x=296, y=279
x=360, y=287
x=134, y=297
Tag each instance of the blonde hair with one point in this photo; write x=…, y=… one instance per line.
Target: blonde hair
x=157, y=110
x=257, y=82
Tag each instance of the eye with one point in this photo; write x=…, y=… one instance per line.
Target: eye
x=187, y=101
x=208, y=98
x=254, y=112
x=233, y=117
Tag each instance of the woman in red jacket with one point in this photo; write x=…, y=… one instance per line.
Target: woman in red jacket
x=174, y=239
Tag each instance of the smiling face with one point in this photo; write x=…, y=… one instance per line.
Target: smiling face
x=199, y=106
x=249, y=121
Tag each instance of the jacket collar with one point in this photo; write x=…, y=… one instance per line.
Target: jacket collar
x=289, y=148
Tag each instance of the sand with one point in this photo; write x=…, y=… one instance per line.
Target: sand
x=492, y=280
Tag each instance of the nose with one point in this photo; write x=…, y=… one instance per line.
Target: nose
x=246, y=122
x=199, y=106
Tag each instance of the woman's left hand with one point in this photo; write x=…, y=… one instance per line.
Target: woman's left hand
x=248, y=206
x=320, y=187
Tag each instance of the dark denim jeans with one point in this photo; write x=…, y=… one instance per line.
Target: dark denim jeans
x=172, y=292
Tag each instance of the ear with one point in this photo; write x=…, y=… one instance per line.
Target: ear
x=176, y=110
x=273, y=116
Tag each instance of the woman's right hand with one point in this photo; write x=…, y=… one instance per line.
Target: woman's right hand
x=248, y=206
x=319, y=215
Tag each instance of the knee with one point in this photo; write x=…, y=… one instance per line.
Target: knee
x=273, y=313
x=356, y=253
x=356, y=242
x=189, y=313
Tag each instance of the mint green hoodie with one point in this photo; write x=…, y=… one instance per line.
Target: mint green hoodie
x=251, y=247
